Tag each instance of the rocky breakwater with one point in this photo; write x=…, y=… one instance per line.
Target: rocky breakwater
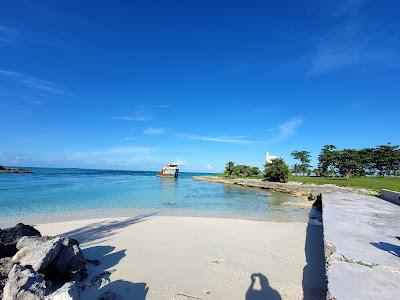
x=33, y=266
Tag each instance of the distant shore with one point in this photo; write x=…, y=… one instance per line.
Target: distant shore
x=4, y=170
x=295, y=189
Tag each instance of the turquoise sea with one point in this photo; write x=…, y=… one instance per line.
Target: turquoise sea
x=70, y=192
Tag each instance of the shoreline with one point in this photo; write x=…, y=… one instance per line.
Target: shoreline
x=81, y=215
x=298, y=190
x=155, y=257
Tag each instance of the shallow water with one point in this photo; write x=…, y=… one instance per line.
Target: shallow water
x=75, y=192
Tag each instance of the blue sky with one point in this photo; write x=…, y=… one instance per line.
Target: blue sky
x=135, y=84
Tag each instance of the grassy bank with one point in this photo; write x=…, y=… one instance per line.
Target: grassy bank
x=372, y=183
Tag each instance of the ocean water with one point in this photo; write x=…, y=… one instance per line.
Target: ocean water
x=69, y=192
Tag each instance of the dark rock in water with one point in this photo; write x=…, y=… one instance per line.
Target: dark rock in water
x=69, y=291
x=38, y=256
x=108, y=296
x=24, y=283
x=95, y=262
x=5, y=268
x=10, y=237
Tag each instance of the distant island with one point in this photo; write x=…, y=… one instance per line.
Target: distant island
x=13, y=170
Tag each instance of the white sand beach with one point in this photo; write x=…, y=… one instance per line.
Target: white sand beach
x=164, y=257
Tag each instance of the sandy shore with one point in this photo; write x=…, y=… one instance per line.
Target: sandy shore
x=161, y=257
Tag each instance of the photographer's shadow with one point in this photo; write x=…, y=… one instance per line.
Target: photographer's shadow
x=266, y=292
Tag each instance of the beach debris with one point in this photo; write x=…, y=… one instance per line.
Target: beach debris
x=69, y=291
x=39, y=267
x=169, y=170
x=217, y=261
x=24, y=283
x=181, y=296
x=108, y=296
x=103, y=278
x=10, y=237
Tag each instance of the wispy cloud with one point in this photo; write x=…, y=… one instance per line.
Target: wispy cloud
x=287, y=129
x=12, y=36
x=154, y=131
x=141, y=113
x=218, y=139
x=350, y=7
x=355, y=43
x=35, y=83
x=138, y=116
x=27, y=88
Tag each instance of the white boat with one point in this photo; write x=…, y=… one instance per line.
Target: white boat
x=169, y=170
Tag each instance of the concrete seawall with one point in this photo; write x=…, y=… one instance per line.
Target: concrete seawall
x=362, y=247
x=391, y=196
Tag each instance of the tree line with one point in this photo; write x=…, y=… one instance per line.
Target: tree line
x=277, y=171
x=383, y=160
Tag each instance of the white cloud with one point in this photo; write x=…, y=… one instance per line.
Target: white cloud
x=137, y=117
x=35, y=83
x=218, y=139
x=356, y=43
x=154, y=131
x=209, y=166
x=288, y=129
x=180, y=162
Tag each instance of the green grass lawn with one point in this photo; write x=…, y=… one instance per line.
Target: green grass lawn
x=372, y=183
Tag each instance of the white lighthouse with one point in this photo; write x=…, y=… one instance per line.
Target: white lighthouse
x=269, y=158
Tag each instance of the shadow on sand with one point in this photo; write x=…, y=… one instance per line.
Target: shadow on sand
x=265, y=292
x=100, y=231
x=314, y=274
x=388, y=247
x=99, y=284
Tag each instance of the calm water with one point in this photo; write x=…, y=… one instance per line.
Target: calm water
x=68, y=191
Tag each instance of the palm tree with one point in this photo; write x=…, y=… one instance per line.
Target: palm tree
x=229, y=169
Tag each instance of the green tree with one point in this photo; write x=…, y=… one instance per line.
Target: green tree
x=349, y=163
x=276, y=171
x=387, y=159
x=229, y=169
x=327, y=160
x=304, y=158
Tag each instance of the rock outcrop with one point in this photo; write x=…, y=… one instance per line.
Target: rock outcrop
x=24, y=283
x=10, y=237
x=39, y=267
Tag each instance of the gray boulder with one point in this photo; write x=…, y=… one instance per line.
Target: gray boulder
x=24, y=284
x=10, y=237
x=68, y=291
x=32, y=241
x=69, y=261
x=38, y=255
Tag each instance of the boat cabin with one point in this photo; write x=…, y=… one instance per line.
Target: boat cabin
x=169, y=170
